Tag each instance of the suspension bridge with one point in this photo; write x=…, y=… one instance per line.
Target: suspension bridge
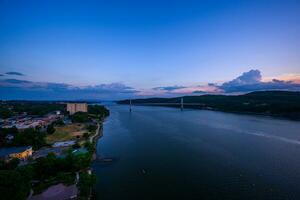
x=180, y=104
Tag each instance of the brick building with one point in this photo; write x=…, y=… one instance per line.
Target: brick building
x=76, y=107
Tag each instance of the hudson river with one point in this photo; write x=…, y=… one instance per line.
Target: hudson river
x=163, y=153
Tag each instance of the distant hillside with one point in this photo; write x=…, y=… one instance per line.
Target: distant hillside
x=277, y=103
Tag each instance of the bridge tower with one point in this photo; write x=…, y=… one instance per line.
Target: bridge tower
x=181, y=104
x=130, y=105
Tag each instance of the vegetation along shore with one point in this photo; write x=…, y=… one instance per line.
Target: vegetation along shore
x=44, y=148
x=283, y=104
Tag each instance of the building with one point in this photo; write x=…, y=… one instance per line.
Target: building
x=67, y=121
x=76, y=107
x=59, y=152
x=64, y=143
x=9, y=138
x=21, y=122
x=16, y=152
x=58, y=112
x=80, y=151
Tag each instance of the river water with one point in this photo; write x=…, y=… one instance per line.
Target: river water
x=165, y=153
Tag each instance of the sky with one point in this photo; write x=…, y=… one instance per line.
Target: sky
x=111, y=50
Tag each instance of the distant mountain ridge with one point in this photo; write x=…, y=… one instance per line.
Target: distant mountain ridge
x=275, y=103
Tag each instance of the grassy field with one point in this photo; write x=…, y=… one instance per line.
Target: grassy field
x=67, y=132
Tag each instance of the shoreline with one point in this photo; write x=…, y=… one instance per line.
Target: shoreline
x=94, y=139
x=275, y=116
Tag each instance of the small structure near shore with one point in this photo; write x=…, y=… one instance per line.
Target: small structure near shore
x=16, y=152
x=64, y=143
x=79, y=151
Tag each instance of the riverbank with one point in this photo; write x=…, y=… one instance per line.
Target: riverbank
x=94, y=141
x=279, y=104
x=295, y=117
x=94, y=138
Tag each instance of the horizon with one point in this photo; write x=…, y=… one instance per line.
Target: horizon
x=126, y=99
x=70, y=50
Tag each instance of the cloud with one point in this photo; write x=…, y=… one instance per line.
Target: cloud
x=169, y=88
x=15, y=73
x=247, y=82
x=295, y=78
x=174, y=91
x=13, y=81
x=247, y=78
x=252, y=81
x=113, y=87
x=22, y=89
x=212, y=84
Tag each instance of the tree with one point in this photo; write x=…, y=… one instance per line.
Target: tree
x=86, y=182
x=86, y=135
x=91, y=128
x=11, y=164
x=76, y=145
x=27, y=171
x=30, y=137
x=13, y=185
x=80, y=117
x=59, y=122
x=50, y=129
x=101, y=111
x=4, y=132
x=36, y=108
x=89, y=146
x=46, y=166
x=5, y=113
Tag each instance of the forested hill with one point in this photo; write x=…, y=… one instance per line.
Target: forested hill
x=279, y=103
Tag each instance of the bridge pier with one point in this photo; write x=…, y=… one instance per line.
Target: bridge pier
x=181, y=106
x=130, y=106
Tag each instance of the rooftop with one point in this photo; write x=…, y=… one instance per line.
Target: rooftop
x=79, y=151
x=46, y=151
x=64, y=143
x=10, y=150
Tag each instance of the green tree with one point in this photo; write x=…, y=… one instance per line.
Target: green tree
x=36, y=108
x=90, y=147
x=13, y=185
x=86, y=182
x=59, y=122
x=80, y=117
x=12, y=164
x=5, y=113
x=47, y=166
x=76, y=145
x=99, y=110
x=27, y=171
x=4, y=132
x=50, y=129
x=30, y=137
x=86, y=135
x=91, y=128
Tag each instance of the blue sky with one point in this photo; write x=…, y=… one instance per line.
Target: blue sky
x=156, y=48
